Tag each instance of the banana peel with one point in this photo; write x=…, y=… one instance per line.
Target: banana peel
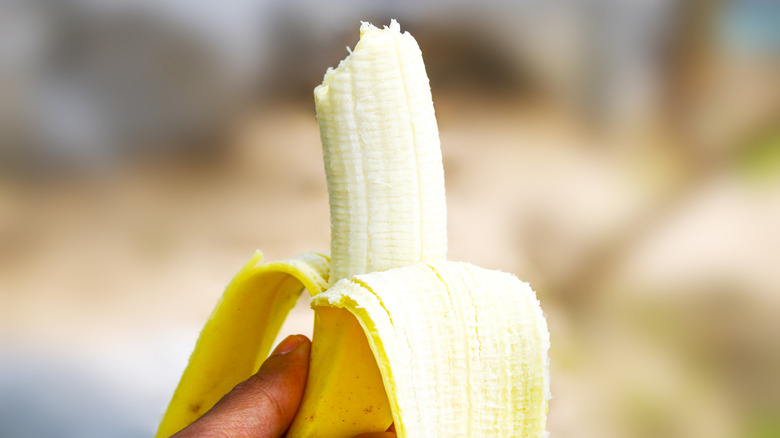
x=240, y=332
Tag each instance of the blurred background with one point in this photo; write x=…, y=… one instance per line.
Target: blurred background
x=623, y=156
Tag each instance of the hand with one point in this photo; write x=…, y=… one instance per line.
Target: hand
x=264, y=405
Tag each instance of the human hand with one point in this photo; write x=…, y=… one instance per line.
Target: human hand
x=264, y=405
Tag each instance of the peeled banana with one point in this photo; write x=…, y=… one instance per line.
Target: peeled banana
x=401, y=336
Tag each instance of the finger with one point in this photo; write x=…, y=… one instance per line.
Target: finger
x=264, y=405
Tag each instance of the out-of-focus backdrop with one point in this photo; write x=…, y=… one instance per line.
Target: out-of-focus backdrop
x=623, y=156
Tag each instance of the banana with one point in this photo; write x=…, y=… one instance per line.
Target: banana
x=401, y=336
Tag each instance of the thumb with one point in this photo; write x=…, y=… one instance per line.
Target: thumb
x=264, y=405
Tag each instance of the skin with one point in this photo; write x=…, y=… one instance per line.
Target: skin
x=264, y=405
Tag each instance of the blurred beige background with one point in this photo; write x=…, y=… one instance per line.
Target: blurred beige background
x=621, y=156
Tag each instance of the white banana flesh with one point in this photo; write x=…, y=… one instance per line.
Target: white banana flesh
x=439, y=348
x=382, y=157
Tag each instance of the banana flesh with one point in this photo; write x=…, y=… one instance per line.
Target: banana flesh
x=382, y=157
x=439, y=348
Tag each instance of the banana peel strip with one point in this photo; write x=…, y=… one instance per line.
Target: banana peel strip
x=240, y=332
x=462, y=350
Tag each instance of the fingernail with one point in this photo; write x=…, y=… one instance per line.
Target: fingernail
x=288, y=344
